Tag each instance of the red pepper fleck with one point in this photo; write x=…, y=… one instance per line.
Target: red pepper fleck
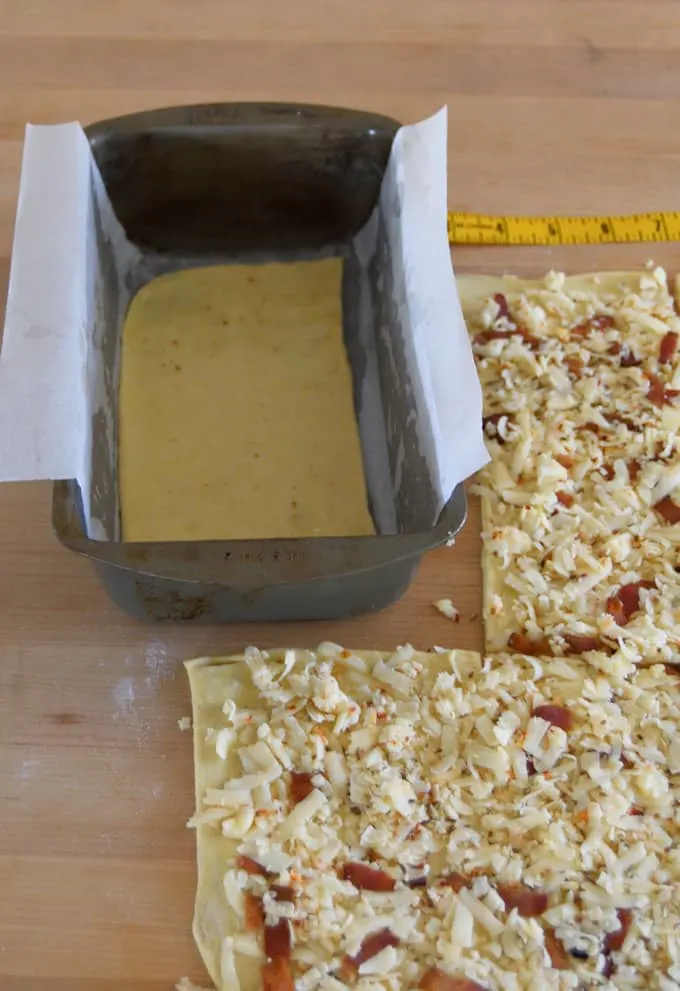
x=300, y=785
x=253, y=912
x=668, y=510
x=250, y=866
x=523, y=644
x=565, y=499
x=277, y=939
x=282, y=893
x=453, y=880
x=626, y=602
x=367, y=878
x=438, y=980
x=559, y=958
x=502, y=304
x=277, y=976
x=657, y=393
x=668, y=347
x=579, y=643
x=528, y=902
x=614, y=941
x=556, y=715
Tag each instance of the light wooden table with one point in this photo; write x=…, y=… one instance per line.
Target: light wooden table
x=554, y=106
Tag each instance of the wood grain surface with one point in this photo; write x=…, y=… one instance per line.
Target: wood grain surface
x=556, y=106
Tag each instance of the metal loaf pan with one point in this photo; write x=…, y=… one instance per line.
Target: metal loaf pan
x=227, y=182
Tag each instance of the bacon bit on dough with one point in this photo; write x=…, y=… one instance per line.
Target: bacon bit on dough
x=626, y=602
x=277, y=975
x=300, y=785
x=669, y=510
x=367, y=878
x=523, y=644
x=438, y=980
x=250, y=866
x=657, y=392
x=454, y=880
x=565, y=460
x=282, y=893
x=559, y=957
x=528, y=902
x=575, y=365
x=373, y=944
x=579, y=643
x=614, y=941
x=601, y=321
x=503, y=335
x=556, y=715
x=565, y=499
x=277, y=939
x=254, y=915
x=668, y=347
x=502, y=304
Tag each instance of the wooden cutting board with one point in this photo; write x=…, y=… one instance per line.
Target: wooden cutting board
x=553, y=107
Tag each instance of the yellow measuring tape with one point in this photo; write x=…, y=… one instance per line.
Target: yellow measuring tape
x=480, y=228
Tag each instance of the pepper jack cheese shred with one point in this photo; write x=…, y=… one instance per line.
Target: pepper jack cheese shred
x=436, y=821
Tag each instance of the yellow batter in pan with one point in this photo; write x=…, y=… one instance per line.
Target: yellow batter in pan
x=236, y=413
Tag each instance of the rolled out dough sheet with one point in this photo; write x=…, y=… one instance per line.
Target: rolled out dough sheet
x=582, y=614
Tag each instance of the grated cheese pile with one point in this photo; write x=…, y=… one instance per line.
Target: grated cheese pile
x=581, y=500
x=445, y=822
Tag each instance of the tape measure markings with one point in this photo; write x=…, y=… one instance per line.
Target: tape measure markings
x=481, y=228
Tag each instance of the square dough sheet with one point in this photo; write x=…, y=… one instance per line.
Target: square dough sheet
x=581, y=501
x=409, y=820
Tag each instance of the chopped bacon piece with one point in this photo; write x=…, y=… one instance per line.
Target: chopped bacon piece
x=594, y=428
x=250, y=866
x=367, y=878
x=635, y=810
x=523, y=644
x=671, y=669
x=417, y=882
x=614, y=348
x=453, y=880
x=556, y=715
x=629, y=359
x=277, y=939
x=657, y=392
x=531, y=768
x=282, y=893
x=608, y=472
x=528, y=902
x=669, y=510
x=601, y=321
x=373, y=944
x=626, y=602
x=300, y=785
x=254, y=915
x=575, y=365
x=502, y=304
x=608, y=967
x=633, y=469
x=565, y=460
x=559, y=958
x=668, y=347
x=614, y=941
x=503, y=335
x=438, y=980
x=277, y=976
x=490, y=425
x=565, y=499
x=579, y=643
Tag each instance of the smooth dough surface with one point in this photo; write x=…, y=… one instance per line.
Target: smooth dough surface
x=212, y=680
x=473, y=290
x=236, y=412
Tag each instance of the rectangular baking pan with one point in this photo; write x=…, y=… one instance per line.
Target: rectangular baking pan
x=252, y=182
